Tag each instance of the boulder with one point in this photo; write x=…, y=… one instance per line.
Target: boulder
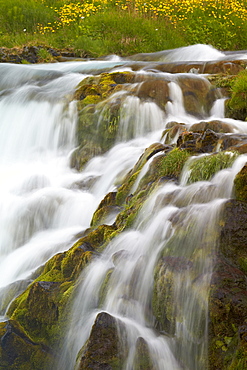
x=18, y=351
x=102, y=349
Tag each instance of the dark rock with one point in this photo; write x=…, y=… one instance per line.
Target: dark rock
x=228, y=312
x=234, y=233
x=215, y=125
x=17, y=350
x=102, y=350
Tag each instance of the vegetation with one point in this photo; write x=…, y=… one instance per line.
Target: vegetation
x=203, y=168
x=139, y=26
x=236, y=106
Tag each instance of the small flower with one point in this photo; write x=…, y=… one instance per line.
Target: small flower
x=24, y=30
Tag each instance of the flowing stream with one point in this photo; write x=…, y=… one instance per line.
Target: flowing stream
x=42, y=211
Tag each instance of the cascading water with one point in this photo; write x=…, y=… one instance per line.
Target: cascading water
x=42, y=211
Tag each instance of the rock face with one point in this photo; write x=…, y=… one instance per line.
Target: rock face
x=37, y=317
x=228, y=299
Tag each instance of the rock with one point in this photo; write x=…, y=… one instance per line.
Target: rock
x=142, y=360
x=205, y=142
x=233, y=142
x=198, y=94
x=228, y=312
x=240, y=185
x=102, y=349
x=156, y=91
x=171, y=134
x=18, y=351
x=106, y=208
x=234, y=233
x=215, y=125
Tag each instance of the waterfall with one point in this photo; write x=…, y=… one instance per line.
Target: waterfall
x=152, y=279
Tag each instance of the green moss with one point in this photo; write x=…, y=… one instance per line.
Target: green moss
x=18, y=351
x=222, y=81
x=124, y=189
x=168, y=165
x=237, y=105
x=203, y=168
x=240, y=185
x=104, y=287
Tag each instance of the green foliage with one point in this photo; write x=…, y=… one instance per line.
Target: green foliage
x=122, y=27
x=205, y=167
x=44, y=56
x=132, y=34
x=237, y=105
x=240, y=183
x=22, y=16
x=172, y=164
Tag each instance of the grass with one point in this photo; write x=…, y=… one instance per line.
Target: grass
x=204, y=168
x=123, y=27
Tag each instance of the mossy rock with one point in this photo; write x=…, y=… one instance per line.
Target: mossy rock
x=107, y=207
x=228, y=312
x=142, y=359
x=234, y=233
x=102, y=350
x=154, y=90
x=83, y=154
x=215, y=125
x=204, y=168
x=102, y=86
x=98, y=114
x=172, y=132
x=166, y=166
x=18, y=351
x=240, y=185
x=236, y=106
x=198, y=95
x=223, y=82
x=128, y=182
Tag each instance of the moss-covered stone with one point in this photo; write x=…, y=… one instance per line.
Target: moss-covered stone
x=18, y=351
x=236, y=106
x=215, y=125
x=142, y=360
x=228, y=312
x=198, y=94
x=166, y=166
x=234, y=233
x=240, y=185
x=106, y=207
x=204, y=168
x=102, y=350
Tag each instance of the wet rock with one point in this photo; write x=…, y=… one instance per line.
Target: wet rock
x=205, y=142
x=215, y=125
x=228, y=312
x=171, y=134
x=128, y=182
x=155, y=90
x=102, y=350
x=233, y=142
x=234, y=233
x=18, y=351
x=83, y=154
x=240, y=184
x=224, y=67
x=142, y=360
x=106, y=208
x=198, y=94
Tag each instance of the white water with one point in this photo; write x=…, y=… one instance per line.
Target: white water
x=41, y=212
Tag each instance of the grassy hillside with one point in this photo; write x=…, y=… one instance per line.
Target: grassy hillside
x=123, y=26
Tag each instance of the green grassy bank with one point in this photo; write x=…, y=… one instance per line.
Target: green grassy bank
x=123, y=27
